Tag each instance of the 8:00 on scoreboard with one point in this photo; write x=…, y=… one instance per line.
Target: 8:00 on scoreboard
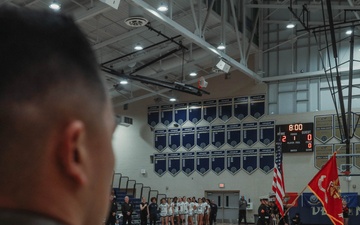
x=296, y=137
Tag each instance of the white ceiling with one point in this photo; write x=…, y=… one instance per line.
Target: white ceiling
x=111, y=38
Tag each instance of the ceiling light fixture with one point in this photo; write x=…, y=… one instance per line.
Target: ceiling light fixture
x=172, y=99
x=348, y=32
x=290, y=25
x=124, y=81
x=221, y=46
x=55, y=6
x=138, y=47
x=162, y=7
x=193, y=74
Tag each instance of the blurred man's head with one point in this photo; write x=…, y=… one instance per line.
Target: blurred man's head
x=56, y=120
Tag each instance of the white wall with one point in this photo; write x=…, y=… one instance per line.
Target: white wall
x=133, y=146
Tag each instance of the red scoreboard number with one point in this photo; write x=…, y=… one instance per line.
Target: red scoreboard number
x=297, y=137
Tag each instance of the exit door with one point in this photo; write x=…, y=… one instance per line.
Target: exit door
x=228, y=205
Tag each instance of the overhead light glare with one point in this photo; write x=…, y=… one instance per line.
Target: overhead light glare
x=172, y=99
x=162, y=7
x=193, y=74
x=348, y=32
x=138, y=47
x=221, y=46
x=290, y=25
x=55, y=6
x=124, y=82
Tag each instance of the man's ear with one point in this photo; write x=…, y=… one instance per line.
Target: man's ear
x=72, y=153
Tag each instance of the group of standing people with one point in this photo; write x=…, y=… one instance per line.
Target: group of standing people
x=269, y=213
x=127, y=209
x=179, y=211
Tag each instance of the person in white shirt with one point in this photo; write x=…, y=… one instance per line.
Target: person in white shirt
x=191, y=211
x=163, y=212
x=170, y=211
x=200, y=212
x=207, y=212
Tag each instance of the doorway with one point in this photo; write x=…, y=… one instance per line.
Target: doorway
x=228, y=205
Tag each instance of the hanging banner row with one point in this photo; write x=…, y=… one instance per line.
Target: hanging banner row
x=323, y=153
x=330, y=126
x=217, y=136
x=223, y=109
x=217, y=161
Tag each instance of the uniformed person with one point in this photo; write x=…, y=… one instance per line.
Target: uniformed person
x=263, y=211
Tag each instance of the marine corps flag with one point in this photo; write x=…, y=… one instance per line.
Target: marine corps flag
x=326, y=186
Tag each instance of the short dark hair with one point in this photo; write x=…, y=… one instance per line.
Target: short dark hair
x=44, y=59
x=45, y=42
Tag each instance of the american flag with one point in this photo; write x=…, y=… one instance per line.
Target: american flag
x=278, y=185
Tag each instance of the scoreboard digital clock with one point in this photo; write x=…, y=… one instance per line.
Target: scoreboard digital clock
x=297, y=137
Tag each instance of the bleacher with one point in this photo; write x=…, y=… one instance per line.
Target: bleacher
x=124, y=186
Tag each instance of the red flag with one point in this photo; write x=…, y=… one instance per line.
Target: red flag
x=326, y=186
x=278, y=185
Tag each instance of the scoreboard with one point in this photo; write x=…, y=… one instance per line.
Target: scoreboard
x=296, y=137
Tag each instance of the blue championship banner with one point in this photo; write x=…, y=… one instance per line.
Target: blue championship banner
x=233, y=161
x=267, y=132
x=250, y=133
x=257, y=106
x=266, y=159
x=217, y=161
x=249, y=162
x=202, y=162
x=173, y=163
x=218, y=135
x=188, y=137
x=225, y=109
x=233, y=134
x=166, y=114
x=188, y=162
x=203, y=136
x=153, y=115
x=174, y=138
x=180, y=112
x=209, y=110
x=195, y=112
x=241, y=107
x=160, y=164
x=160, y=140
